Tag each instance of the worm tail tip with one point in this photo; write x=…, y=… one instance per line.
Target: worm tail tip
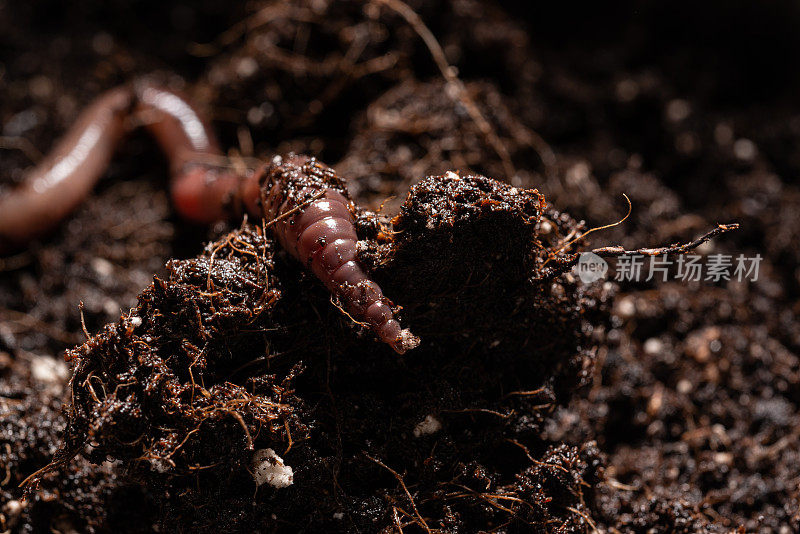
x=405, y=342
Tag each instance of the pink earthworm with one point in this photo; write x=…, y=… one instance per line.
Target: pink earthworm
x=201, y=191
x=314, y=223
x=308, y=203
x=59, y=183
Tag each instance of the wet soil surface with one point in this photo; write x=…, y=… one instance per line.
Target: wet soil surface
x=534, y=404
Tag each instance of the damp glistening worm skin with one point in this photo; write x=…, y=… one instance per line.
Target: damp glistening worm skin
x=314, y=223
x=309, y=203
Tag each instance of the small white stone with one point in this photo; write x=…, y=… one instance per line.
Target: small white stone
x=429, y=425
x=49, y=370
x=269, y=468
x=102, y=266
x=451, y=175
x=338, y=516
x=13, y=508
x=684, y=387
x=626, y=307
x=653, y=346
x=136, y=321
x=247, y=67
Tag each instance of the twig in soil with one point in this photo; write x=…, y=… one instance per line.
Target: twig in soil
x=526, y=393
x=585, y=518
x=566, y=263
x=534, y=460
x=399, y=478
x=236, y=415
x=481, y=410
x=597, y=228
x=606, y=252
x=397, y=520
x=489, y=498
x=492, y=499
x=449, y=73
x=83, y=321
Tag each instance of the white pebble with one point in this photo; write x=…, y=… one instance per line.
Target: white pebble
x=269, y=468
x=451, y=175
x=684, y=387
x=429, y=425
x=338, y=516
x=102, y=266
x=626, y=307
x=653, y=346
x=13, y=508
x=247, y=67
x=49, y=370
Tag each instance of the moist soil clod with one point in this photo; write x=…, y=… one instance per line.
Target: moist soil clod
x=536, y=402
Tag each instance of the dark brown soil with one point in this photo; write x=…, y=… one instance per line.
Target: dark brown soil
x=562, y=407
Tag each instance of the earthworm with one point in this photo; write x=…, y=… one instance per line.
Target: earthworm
x=201, y=192
x=313, y=222
x=57, y=185
x=308, y=202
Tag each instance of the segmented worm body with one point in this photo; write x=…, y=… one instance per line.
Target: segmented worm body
x=201, y=190
x=314, y=223
x=310, y=206
x=57, y=185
